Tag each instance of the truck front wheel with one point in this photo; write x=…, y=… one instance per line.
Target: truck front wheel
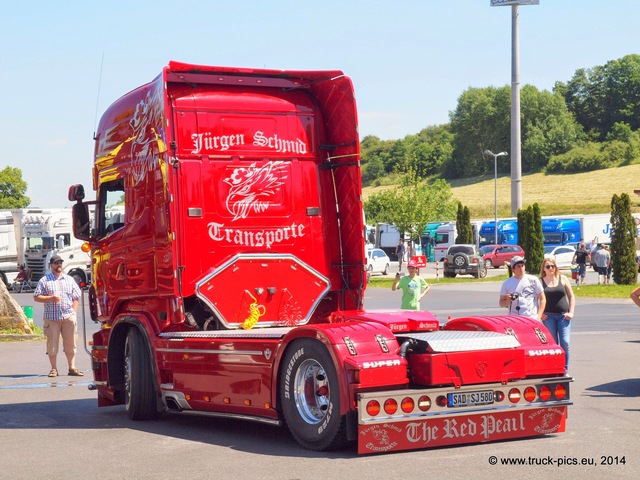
x=140, y=394
x=310, y=397
x=78, y=276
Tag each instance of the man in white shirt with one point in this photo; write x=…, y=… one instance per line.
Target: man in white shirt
x=522, y=293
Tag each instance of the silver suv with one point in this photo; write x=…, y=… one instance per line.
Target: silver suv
x=464, y=260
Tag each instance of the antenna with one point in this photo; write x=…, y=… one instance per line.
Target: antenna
x=95, y=121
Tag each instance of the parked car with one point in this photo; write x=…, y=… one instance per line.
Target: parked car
x=464, y=260
x=495, y=256
x=377, y=261
x=562, y=254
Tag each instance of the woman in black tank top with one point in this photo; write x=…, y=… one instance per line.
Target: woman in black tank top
x=558, y=311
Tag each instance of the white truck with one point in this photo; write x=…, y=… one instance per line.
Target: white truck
x=446, y=236
x=387, y=238
x=8, y=247
x=48, y=232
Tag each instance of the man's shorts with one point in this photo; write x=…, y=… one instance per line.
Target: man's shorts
x=602, y=270
x=68, y=328
x=583, y=269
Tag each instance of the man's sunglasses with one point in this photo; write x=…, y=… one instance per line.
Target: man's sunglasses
x=59, y=262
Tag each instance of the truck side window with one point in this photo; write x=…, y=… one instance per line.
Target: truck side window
x=112, y=207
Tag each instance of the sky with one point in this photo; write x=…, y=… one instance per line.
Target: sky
x=63, y=63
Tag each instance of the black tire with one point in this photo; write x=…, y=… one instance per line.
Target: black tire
x=460, y=260
x=482, y=272
x=78, y=276
x=386, y=270
x=449, y=275
x=310, y=396
x=488, y=264
x=140, y=396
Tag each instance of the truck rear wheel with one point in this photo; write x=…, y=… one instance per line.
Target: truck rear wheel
x=140, y=394
x=310, y=397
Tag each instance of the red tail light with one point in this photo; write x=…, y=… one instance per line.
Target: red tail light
x=545, y=393
x=390, y=406
x=373, y=408
x=441, y=401
x=530, y=394
x=407, y=405
x=560, y=391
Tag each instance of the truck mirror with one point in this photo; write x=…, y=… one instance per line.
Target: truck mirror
x=76, y=193
x=81, y=220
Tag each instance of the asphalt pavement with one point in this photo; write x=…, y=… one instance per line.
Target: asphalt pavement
x=53, y=428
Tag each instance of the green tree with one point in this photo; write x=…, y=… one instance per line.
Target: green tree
x=536, y=246
x=530, y=237
x=375, y=157
x=463, y=225
x=604, y=95
x=428, y=151
x=12, y=189
x=412, y=205
x=623, y=241
x=548, y=128
x=482, y=120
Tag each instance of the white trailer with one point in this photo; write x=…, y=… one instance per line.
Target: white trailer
x=596, y=228
x=387, y=238
x=48, y=232
x=8, y=247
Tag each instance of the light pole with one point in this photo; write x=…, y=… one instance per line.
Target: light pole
x=495, y=187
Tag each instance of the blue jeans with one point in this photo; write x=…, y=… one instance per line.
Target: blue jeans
x=560, y=330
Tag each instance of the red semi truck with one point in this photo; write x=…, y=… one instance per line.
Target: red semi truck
x=231, y=280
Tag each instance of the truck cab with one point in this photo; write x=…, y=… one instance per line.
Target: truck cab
x=561, y=231
x=507, y=232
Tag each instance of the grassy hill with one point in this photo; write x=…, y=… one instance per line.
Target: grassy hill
x=588, y=192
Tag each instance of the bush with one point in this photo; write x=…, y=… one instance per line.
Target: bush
x=580, y=159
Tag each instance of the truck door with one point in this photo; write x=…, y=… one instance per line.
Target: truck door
x=110, y=259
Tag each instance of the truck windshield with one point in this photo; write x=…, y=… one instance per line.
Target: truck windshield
x=40, y=243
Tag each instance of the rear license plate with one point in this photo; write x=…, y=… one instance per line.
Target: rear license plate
x=460, y=270
x=468, y=399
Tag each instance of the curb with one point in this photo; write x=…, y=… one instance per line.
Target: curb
x=16, y=336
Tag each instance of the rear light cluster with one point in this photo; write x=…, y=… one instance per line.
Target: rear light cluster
x=407, y=405
x=422, y=404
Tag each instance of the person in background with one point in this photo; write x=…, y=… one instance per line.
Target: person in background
x=603, y=259
x=559, y=306
x=400, y=252
x=522, y=293
x=581, y=258
x=413, y=287
x=60, y=294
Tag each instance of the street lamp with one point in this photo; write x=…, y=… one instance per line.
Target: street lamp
x=495, y=187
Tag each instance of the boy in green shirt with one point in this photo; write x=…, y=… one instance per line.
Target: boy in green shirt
x=413, y=287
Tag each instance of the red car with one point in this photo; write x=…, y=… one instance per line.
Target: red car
x=495, y=256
